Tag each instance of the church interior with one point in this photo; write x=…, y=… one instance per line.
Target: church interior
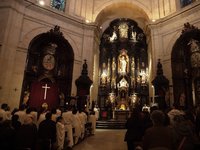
x=105, y=55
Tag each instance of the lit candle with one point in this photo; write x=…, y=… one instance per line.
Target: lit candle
x=153, y=95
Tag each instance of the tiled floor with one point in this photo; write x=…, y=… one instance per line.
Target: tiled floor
x=104, y=140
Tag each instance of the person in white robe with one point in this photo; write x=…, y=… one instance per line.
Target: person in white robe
x=92, y=118
x=5, y=112
x=21, y=113
x=60, y=133
x=76, y=124
x=67, y=117
x=42, y=113
x=96, y=110
x=83, y=118
x=34, y=114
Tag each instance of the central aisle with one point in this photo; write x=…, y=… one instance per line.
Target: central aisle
x=104, y=139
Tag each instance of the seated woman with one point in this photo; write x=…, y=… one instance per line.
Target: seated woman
x=159, y=136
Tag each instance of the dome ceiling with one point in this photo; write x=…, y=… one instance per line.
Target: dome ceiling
x=121, y=10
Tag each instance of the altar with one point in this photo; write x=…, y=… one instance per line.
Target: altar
x=121, y=115
x=123, y=69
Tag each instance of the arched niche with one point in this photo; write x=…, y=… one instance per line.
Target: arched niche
x=49, y=43
x=186, y=68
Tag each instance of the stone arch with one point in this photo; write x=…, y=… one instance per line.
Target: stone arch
x=60, y=75
x=29, y=36
x=73, y=44
x=107, y=10
x=183, y=75
x=172, y=42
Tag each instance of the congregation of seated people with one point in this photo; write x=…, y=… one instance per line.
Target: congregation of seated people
x=173, y=129
x=28, y=129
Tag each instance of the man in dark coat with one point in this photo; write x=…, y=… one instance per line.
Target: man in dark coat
x=47, y=133
x=135, y=130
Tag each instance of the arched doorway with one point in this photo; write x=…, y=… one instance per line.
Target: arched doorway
x=123, y=64
x=48, y=70
x=185, y=59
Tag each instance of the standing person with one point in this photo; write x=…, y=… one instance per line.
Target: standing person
x=47, y=133
x=16, y=124
x=83, y=119
x=21, y=113
x=4, y=113
x=6, y=135
x=26, y=135
x=68, y=119
x=42, y=113
x=92, y=118
x=134, y=133
x=96, y=110
x=76, y=124
x=185, y=135
x=158, y=136
x=60, y=133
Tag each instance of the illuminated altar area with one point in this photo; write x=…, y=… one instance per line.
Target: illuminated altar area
x=123, y=78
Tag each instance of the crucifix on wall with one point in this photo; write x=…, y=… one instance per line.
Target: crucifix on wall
x=45, y=90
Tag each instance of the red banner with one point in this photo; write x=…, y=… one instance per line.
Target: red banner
x=42, y=92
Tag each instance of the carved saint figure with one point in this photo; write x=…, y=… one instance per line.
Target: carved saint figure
x=195, y=52
x=182, y=100
x=113, y=64
x=133, y=36
x=123, y=64
x=123, y=83
x=103, y=75
x=194, y=45
x=123, y=30
x=113, y=37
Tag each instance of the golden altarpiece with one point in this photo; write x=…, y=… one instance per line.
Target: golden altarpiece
x=123, y=75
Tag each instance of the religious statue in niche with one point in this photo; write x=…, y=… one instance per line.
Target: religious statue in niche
x=112, y=97
x=133, y=81
x=133, y=34
x=123, y=30
x=62, y=99
x=114, y=35
x=113, y=82
x=123, y=64
x=141, y=37
x=182, y=100
x=108, y=72
x=26, y=97
x=123, y=83
x=195, y=53
x=113, y=66
x=133, y=66
x=143, y=77
x=103, y=75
